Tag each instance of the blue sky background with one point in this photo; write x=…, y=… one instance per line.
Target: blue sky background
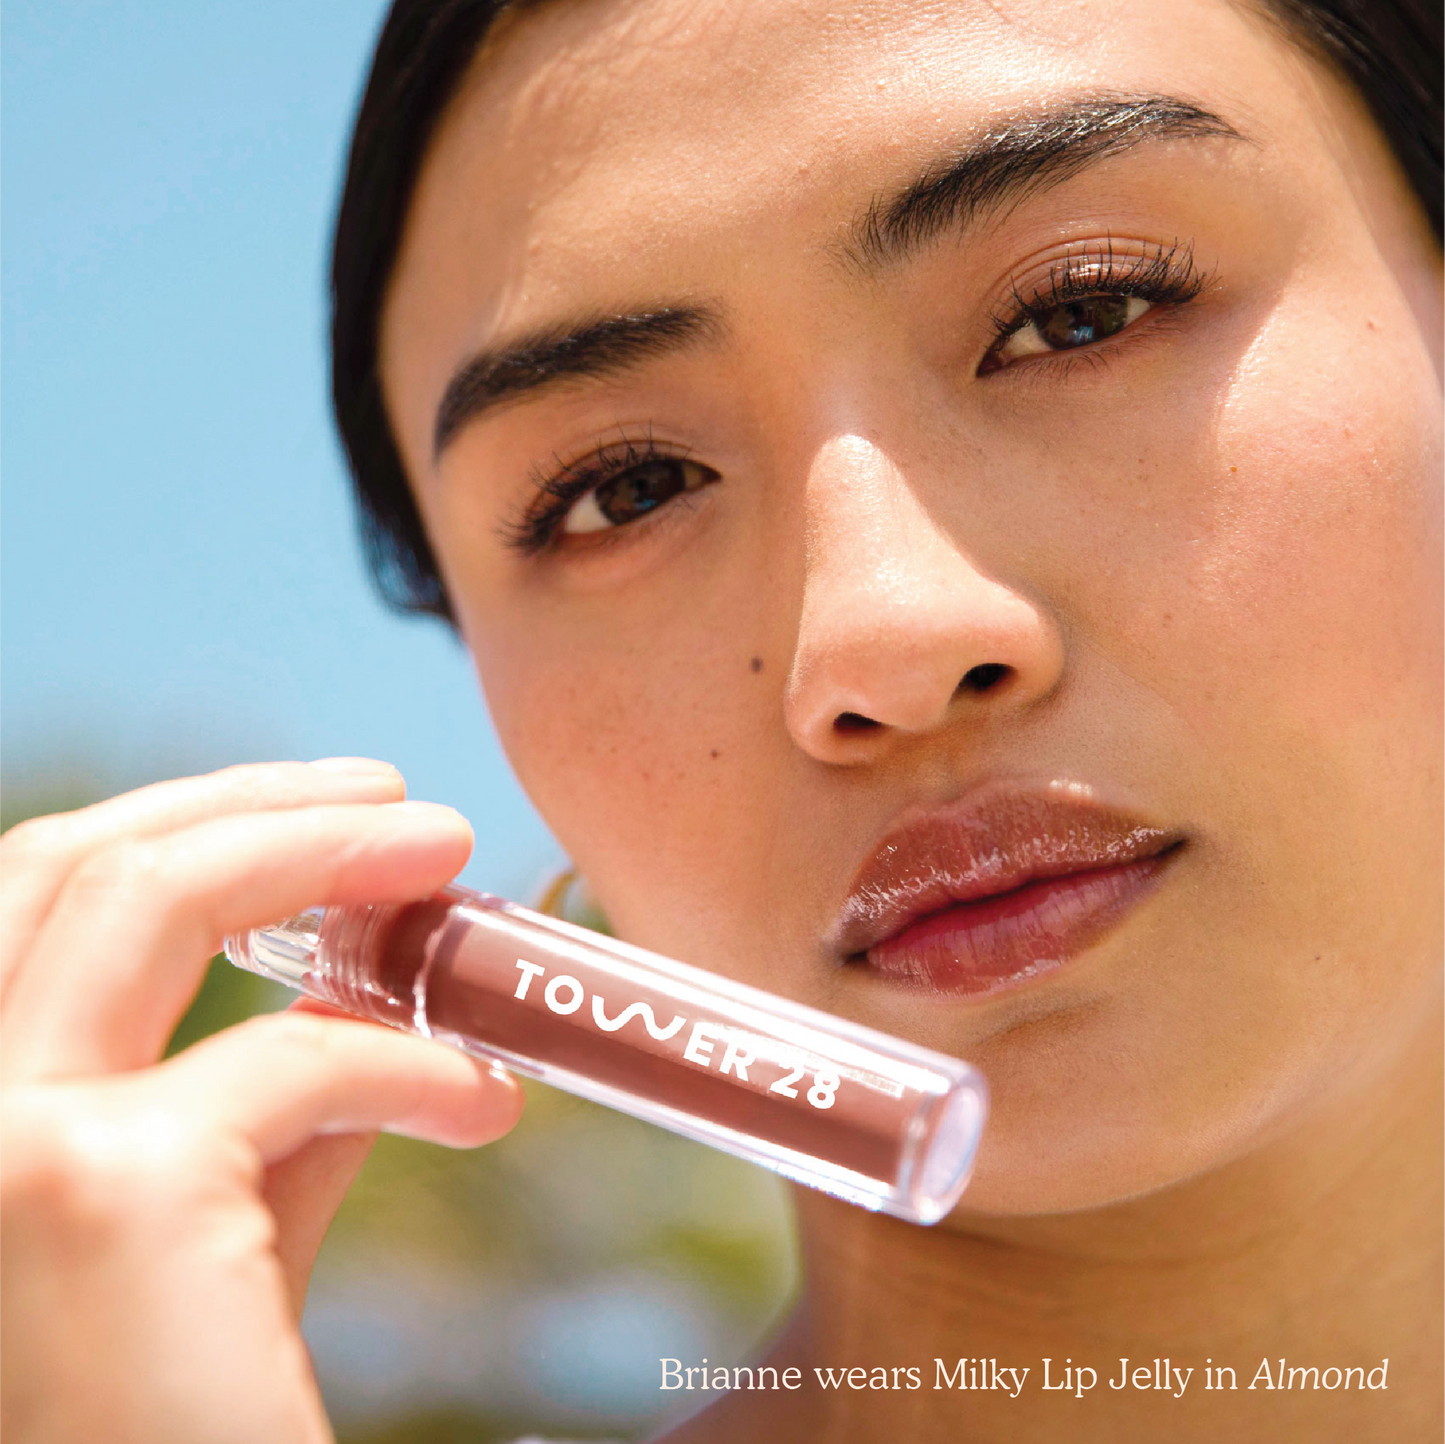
x=182, y=585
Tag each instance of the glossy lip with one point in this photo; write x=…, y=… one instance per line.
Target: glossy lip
x=998, y=887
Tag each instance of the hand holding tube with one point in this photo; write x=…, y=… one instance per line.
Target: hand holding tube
x=160, y=1219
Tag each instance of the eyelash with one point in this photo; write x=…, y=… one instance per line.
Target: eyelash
x=556, y=492
x=1162, y=275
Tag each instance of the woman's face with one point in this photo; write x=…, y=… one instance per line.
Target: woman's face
x=904, y=519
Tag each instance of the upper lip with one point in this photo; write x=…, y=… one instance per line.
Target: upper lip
x=990, y=841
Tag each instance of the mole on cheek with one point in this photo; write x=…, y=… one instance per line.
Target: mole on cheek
x=756, y=664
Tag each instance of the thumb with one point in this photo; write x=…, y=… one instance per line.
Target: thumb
x=303, y=1193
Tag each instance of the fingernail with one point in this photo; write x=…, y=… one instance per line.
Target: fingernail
x=429, y=813
x=354, y=766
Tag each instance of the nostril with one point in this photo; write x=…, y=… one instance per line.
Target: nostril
x=983, y=677
x=853, y=722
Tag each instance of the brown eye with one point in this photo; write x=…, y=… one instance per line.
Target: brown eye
x=635, y=491
x=1079, y=322
x=1067, y=326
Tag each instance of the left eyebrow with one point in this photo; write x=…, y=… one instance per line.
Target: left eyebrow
x=1018, y=155
x=594, y=347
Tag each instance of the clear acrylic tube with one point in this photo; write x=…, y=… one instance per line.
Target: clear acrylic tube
x=862, y=1115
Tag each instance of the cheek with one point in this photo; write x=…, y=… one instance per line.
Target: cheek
x=639, y=740
x=1269, y=568
x=1323, y=578
x=1322, y=542
x=1308, y=597
x=1310, y=615
x=591, y=731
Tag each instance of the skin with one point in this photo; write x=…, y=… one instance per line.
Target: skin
x=1208, y=552
x=160, y=1221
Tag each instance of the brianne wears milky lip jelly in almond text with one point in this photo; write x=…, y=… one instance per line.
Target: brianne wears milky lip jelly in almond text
x=870, y=1118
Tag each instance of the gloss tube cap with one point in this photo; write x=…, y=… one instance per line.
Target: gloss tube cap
x=288, y=953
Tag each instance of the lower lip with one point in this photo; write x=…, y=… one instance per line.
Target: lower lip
x=1010, y=938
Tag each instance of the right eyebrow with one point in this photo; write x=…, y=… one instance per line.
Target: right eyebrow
x=590, y=348
x=1019, y=154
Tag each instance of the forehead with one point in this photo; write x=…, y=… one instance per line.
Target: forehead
x=602, y=152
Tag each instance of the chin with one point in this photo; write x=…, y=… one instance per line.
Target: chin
x=1037, y=1160
x=1044, y=1184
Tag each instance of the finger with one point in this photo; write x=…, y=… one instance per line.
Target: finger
x=305, y=1190
x=283, y=1078
x=124, y=948
x=37, y=856
x=303, y=1193
x=303, y=1004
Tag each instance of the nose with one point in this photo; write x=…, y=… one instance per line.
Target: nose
x=900, y=631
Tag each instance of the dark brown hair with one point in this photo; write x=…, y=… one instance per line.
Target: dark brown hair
x=1390, y=50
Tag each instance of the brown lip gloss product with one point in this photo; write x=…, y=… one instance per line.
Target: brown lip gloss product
x=862, y=1115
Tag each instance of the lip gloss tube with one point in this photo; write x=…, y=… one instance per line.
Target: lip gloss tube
x=859, y=1114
